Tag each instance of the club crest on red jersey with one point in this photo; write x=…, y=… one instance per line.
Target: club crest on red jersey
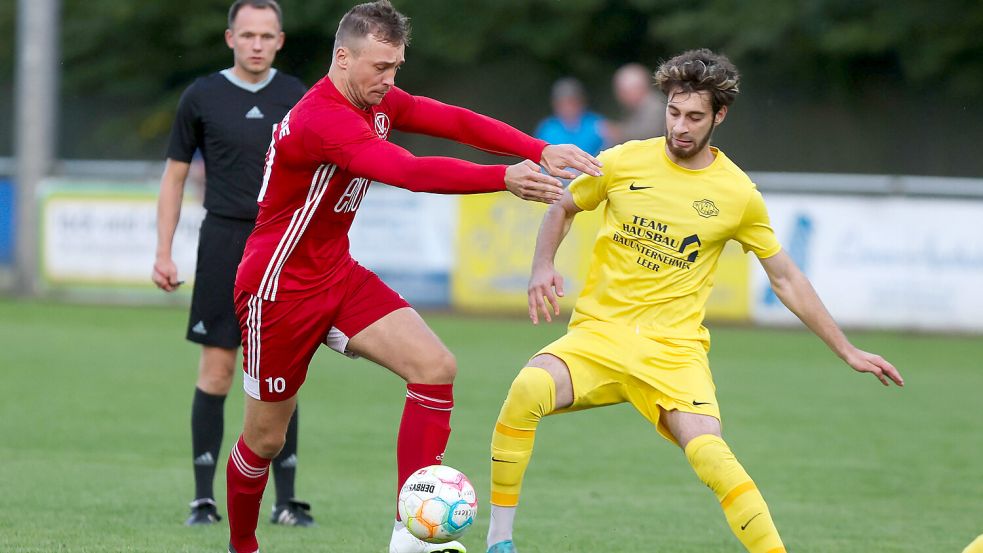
x=382, y=125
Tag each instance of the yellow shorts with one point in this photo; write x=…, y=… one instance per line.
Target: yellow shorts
x=611, y=364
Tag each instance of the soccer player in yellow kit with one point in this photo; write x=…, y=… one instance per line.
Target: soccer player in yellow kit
x=636, y=333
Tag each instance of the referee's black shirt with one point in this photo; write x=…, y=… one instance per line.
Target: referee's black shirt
x=231, y=122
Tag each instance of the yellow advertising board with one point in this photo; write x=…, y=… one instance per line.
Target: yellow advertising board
x=493, y=254
x=731, y=296
x=495, y=242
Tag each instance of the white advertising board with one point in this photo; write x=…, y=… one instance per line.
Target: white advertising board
x=95, y=234
x=882, y=261
x=104, y=236
x=407, y=239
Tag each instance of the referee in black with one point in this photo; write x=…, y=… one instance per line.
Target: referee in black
x=228, y=117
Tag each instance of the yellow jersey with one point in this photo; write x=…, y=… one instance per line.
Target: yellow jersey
x=655, y=255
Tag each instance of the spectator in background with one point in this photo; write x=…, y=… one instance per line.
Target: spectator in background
x=572, y=122
x=644, y=106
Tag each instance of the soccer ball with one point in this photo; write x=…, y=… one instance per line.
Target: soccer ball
x=437, y=504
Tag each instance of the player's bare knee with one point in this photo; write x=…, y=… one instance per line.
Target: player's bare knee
x=269, y=449
x=216, y=370
x=215, y=380
x=437, y=367
x=267, y=444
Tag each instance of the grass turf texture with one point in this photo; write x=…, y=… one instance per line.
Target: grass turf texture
x=96, y=456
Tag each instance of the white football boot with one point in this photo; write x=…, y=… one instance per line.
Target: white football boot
x=404, y=542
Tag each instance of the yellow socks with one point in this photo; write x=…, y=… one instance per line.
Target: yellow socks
x=531, y=397
x=745, y=509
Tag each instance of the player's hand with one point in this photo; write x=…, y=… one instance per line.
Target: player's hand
x=866, y=362
x=557, y=158
x=165, y=274
x=545, y=291
x=527, y=182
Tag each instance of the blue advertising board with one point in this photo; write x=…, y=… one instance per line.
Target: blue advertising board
x=7, y=214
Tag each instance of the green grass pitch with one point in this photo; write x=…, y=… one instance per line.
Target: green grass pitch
x=95, y=448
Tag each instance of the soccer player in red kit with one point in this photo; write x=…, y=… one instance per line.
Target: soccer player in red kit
x=298, y=286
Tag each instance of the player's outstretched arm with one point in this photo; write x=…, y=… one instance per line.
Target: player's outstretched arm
x=545, y=282
x=168, y=213
x=797, y=293
x=419, y=114
x=386, y=162
x=424, y=115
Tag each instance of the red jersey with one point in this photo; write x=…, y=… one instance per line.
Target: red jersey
x=324, y=155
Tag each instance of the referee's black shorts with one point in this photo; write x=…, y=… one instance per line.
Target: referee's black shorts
x=221, y=242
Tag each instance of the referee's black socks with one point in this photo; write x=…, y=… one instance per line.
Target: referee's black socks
x=207, y=425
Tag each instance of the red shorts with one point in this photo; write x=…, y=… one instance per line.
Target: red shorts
x=279, y=338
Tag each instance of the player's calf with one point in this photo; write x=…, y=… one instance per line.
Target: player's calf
x=531, y=397
x=745, y=509
x=246, y=477
x=424, y=428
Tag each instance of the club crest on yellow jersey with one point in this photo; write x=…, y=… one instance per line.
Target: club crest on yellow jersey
x=706, y=208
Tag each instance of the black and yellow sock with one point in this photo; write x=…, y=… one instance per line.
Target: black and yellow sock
x=531, y=397
x=744, y=507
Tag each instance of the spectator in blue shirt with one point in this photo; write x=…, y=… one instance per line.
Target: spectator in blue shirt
x=572, y=122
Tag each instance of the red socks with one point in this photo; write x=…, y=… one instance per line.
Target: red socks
x=425, y=427
x=246, y=476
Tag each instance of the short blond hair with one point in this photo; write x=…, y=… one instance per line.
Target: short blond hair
x=379, y=19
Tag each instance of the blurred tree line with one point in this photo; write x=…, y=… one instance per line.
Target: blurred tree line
x=125, y=63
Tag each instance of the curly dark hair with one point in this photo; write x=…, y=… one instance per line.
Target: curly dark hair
x=699, y=70
x=379, y=19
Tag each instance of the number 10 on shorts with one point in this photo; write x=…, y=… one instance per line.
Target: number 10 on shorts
x=276, y=385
